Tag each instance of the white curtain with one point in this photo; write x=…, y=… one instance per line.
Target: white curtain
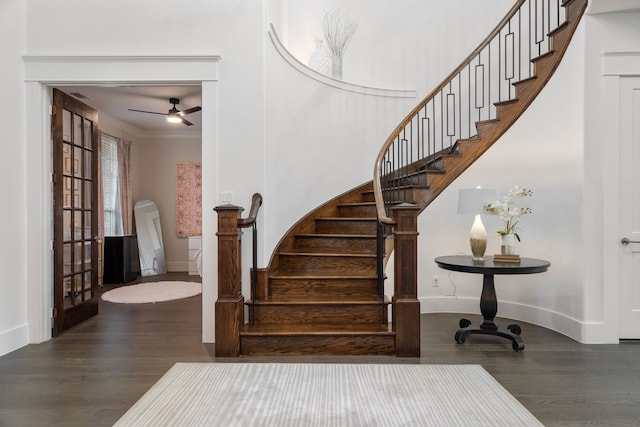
x=124, y=178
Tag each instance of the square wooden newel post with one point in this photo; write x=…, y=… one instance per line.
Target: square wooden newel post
x=406, y=307
x=230, y=303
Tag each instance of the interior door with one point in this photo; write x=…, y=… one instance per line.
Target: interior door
x=75, y=194
x=630, y=208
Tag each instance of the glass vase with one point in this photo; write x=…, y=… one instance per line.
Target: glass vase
x=319, y=59
x=336, y=67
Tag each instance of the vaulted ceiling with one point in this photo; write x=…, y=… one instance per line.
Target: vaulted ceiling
x=117, y=100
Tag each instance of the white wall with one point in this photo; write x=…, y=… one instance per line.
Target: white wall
x=281, y=134
x=13, y=292
x=316, y=133
x=154, y=163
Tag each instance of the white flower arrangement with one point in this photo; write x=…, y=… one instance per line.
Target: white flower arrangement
x=508, y=212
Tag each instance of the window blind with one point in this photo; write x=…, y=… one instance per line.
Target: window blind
x=110, y=186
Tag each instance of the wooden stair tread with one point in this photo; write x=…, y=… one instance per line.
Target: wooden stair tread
x=328, y=254
x=507, y=102
x=369, y=299
x=406, y=187
x=309, y=302
x=338, y=236
x=358, y=204
x=341, y=218
x=316, y=329
x=287, y=275
x=543, y=56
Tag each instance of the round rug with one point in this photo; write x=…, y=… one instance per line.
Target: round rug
x=152, y=292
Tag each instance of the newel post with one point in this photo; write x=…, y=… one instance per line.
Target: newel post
x=406, y=306
x=230, y=303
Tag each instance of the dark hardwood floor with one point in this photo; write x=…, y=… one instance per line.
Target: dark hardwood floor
x=93, y=373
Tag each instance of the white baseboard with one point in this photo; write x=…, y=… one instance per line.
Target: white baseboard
x=178, y=266
x=549, y=319
x=14, y=339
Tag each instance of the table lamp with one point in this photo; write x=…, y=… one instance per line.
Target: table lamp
x=472, y=201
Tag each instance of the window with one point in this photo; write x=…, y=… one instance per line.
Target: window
x=111, y=187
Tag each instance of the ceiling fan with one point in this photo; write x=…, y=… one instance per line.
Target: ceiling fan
x=174, y=115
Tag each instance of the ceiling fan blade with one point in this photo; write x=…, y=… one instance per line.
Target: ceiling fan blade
x=148, y=112
x=191, y=110
x=186, y=122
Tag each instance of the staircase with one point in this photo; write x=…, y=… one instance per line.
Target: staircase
x=321, y=286
x=322, y=292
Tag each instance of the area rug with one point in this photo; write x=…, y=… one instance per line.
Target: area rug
x=254, y=394
x=152, y=292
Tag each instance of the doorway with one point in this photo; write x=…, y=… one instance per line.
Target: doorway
x=42, y=73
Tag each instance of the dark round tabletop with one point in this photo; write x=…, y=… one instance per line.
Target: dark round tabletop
x=465, y=263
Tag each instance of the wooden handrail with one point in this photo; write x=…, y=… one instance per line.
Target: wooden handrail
x=377, y=189
x=256, y=202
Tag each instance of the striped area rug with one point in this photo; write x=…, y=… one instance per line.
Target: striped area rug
x=254, y=394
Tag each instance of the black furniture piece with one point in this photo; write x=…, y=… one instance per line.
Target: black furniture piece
x=121, y=261
x=488, y=301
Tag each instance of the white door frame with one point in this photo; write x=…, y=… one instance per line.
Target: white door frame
x=42, y=72
x=615, y=66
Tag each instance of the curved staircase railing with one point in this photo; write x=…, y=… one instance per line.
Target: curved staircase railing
x=473, y=94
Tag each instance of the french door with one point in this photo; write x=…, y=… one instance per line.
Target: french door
x=74, y=128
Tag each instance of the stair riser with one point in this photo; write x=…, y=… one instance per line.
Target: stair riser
x=321, y=345
x=408, y=195
x=337, y=226
x=317, y=289
x=419, y=179
x=326, y=314
x=368, y=197
x=335, y=245
x=352, y=211
x=334, y=265
x=435, y=164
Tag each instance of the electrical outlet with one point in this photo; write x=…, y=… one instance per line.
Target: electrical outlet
x=436, y=281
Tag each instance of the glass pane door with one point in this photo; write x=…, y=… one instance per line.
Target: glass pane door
x=75, y=223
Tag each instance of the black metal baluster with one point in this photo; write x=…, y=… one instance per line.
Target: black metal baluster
x=380, y=267
x=254, y=276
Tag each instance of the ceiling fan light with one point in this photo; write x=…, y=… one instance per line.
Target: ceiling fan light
x=174, y=118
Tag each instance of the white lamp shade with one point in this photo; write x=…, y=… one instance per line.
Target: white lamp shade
x=472, y=201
